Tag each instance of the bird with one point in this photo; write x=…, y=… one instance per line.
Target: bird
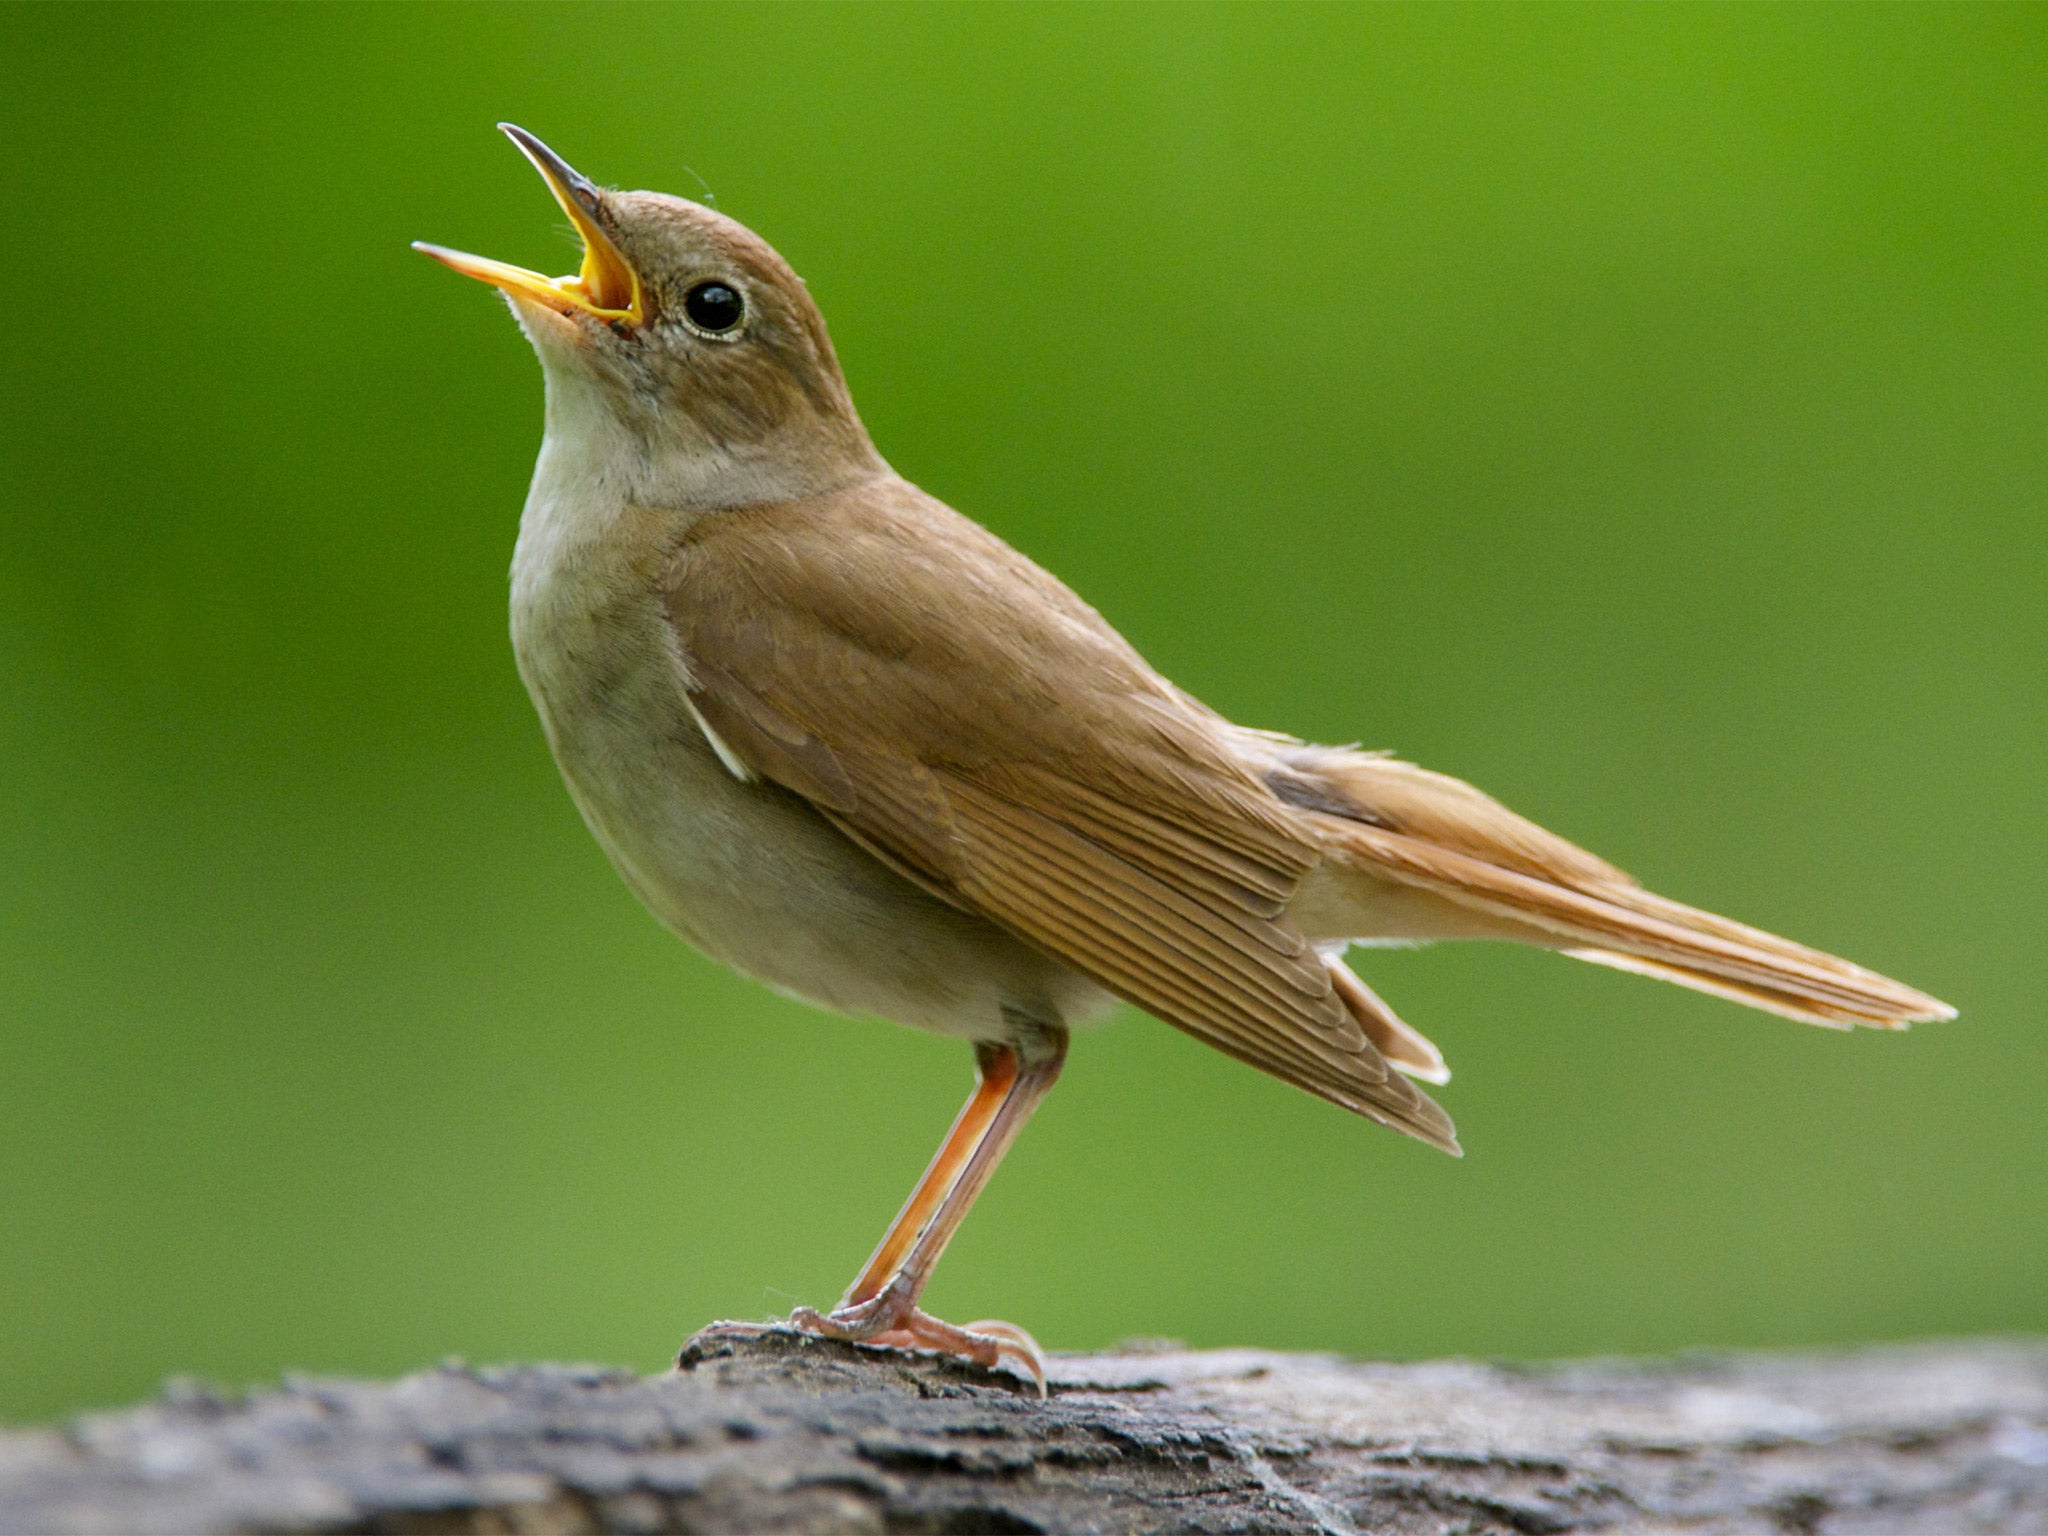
x=843, y=739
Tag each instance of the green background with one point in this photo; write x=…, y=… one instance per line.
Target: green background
x=1642, y=413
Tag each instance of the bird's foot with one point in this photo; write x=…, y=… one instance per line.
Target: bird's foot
x=891, y=1320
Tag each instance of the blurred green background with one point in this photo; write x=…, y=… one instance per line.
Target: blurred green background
x=1642, y=413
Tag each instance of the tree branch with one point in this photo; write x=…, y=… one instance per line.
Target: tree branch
x=784, y=1433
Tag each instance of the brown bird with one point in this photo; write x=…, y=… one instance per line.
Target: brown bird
x=848, y=742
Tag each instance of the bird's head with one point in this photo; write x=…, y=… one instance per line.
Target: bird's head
x=686, y=341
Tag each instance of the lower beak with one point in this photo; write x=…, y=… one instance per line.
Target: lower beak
x=606, y=289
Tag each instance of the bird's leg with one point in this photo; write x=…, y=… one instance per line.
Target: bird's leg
x=881, y=1305
x=996, y=1074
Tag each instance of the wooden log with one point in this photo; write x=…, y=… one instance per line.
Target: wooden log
x=789, y=1434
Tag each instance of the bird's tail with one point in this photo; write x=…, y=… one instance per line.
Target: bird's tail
x=1489, y=872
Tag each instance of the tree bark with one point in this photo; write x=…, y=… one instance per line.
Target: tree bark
x=784, y=1433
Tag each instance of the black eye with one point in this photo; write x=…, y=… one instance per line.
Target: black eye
x=714, y=307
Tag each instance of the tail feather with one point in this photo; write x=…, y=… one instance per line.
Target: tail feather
x=1714, y=986
x=1420, y=829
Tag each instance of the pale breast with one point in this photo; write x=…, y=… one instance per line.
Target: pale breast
x=746, y=872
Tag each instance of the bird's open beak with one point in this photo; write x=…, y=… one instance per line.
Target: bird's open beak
x=607, y=289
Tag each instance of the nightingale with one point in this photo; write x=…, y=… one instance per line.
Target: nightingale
x=850, y=743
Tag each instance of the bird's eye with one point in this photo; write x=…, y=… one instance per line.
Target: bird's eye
x=714, y=308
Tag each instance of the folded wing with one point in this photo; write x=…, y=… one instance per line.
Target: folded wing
x=1021, y=761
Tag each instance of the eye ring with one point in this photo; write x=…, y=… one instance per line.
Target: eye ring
x=715, y=310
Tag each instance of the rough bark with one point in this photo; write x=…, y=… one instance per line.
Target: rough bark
x=783, y=1433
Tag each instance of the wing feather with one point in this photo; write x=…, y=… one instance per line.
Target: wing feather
x=867, y=652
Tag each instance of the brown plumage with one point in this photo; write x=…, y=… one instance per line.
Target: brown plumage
x=838, y=644
x=848, y=741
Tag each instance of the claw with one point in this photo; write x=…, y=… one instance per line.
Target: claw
x=724, y=1329
x=1015, y=1344
x=893, y=1325
x=811, y=1320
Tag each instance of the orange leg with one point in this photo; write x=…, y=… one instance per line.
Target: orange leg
x=998, y=1072
x=881, y=1306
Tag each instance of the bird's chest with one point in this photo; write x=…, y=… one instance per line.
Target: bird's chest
x=743, y=870
x=599, y=659
x=747, y=872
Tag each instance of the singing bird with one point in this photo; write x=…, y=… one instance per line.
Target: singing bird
x=852, y=744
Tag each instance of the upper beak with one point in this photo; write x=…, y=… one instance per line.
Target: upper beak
x=607, y=288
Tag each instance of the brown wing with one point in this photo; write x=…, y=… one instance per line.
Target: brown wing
x=971, y=722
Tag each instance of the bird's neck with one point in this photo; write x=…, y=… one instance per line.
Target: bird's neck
x=601, y=468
